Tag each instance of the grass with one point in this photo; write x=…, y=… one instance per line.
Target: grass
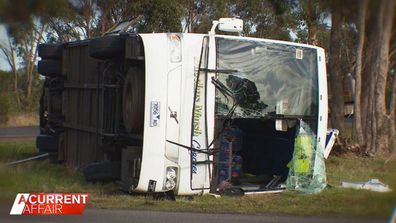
x=10, y=151
x=42, y=176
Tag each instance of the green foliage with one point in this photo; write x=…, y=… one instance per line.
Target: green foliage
x=21, y=11
x=2, y=6
x=95, y=17
x=266, y=19
x=159, y=15
x=12, y=102
x=4, y=108
x=210, y=10
x=5, y=83
x=312, y=17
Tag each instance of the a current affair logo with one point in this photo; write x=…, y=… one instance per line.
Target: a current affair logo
x=49, y=203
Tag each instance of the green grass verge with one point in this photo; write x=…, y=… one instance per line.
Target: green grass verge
x=10, y=151
x=42, y=176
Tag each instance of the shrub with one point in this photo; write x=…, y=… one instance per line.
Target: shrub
x=4, y=108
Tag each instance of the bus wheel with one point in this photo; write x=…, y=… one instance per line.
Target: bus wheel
x=133, y=100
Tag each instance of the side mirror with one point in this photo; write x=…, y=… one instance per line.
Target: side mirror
x=227, y=25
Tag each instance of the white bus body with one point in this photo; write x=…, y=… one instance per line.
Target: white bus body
x=172, y=63
x=152, y=109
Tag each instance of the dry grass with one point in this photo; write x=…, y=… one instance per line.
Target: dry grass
x=23, y=119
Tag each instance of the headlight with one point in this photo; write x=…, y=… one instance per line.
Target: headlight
x=170, y=184
x=171, y=173
x=175, y=48
x=170, y=178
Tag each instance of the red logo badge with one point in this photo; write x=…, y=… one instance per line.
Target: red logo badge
x=49, y=203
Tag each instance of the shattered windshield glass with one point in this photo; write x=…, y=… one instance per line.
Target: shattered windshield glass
x=267, y=79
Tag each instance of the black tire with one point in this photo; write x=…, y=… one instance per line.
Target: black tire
x=103, y=171
x=133, y=100
x=47, y=143
x=50, y=51
x=107, y=47
x=49, y=68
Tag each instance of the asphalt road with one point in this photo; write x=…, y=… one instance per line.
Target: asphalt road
x=124, y=216
x=19, y=133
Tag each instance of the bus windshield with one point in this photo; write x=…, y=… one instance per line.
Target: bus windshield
x=267, y=79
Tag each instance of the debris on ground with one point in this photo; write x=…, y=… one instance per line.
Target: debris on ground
x=373, y=185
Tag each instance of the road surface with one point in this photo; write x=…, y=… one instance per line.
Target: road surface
x=131, y=216
x=19, y=133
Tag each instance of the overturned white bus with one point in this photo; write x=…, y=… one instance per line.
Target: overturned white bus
x=180, y=112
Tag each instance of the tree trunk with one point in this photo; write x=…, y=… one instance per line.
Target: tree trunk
x=391, y=115
x=15, y=76
x=29, y=45
x=312, y=24
x=336, y=83
x=379, y=48
x=369, y=77
x=392, y=98
x=358, y=131
x=313, y=35
x=13, y=65
x=15, y=79
x=32, y=57
x=386, y=11
x=29, y=82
